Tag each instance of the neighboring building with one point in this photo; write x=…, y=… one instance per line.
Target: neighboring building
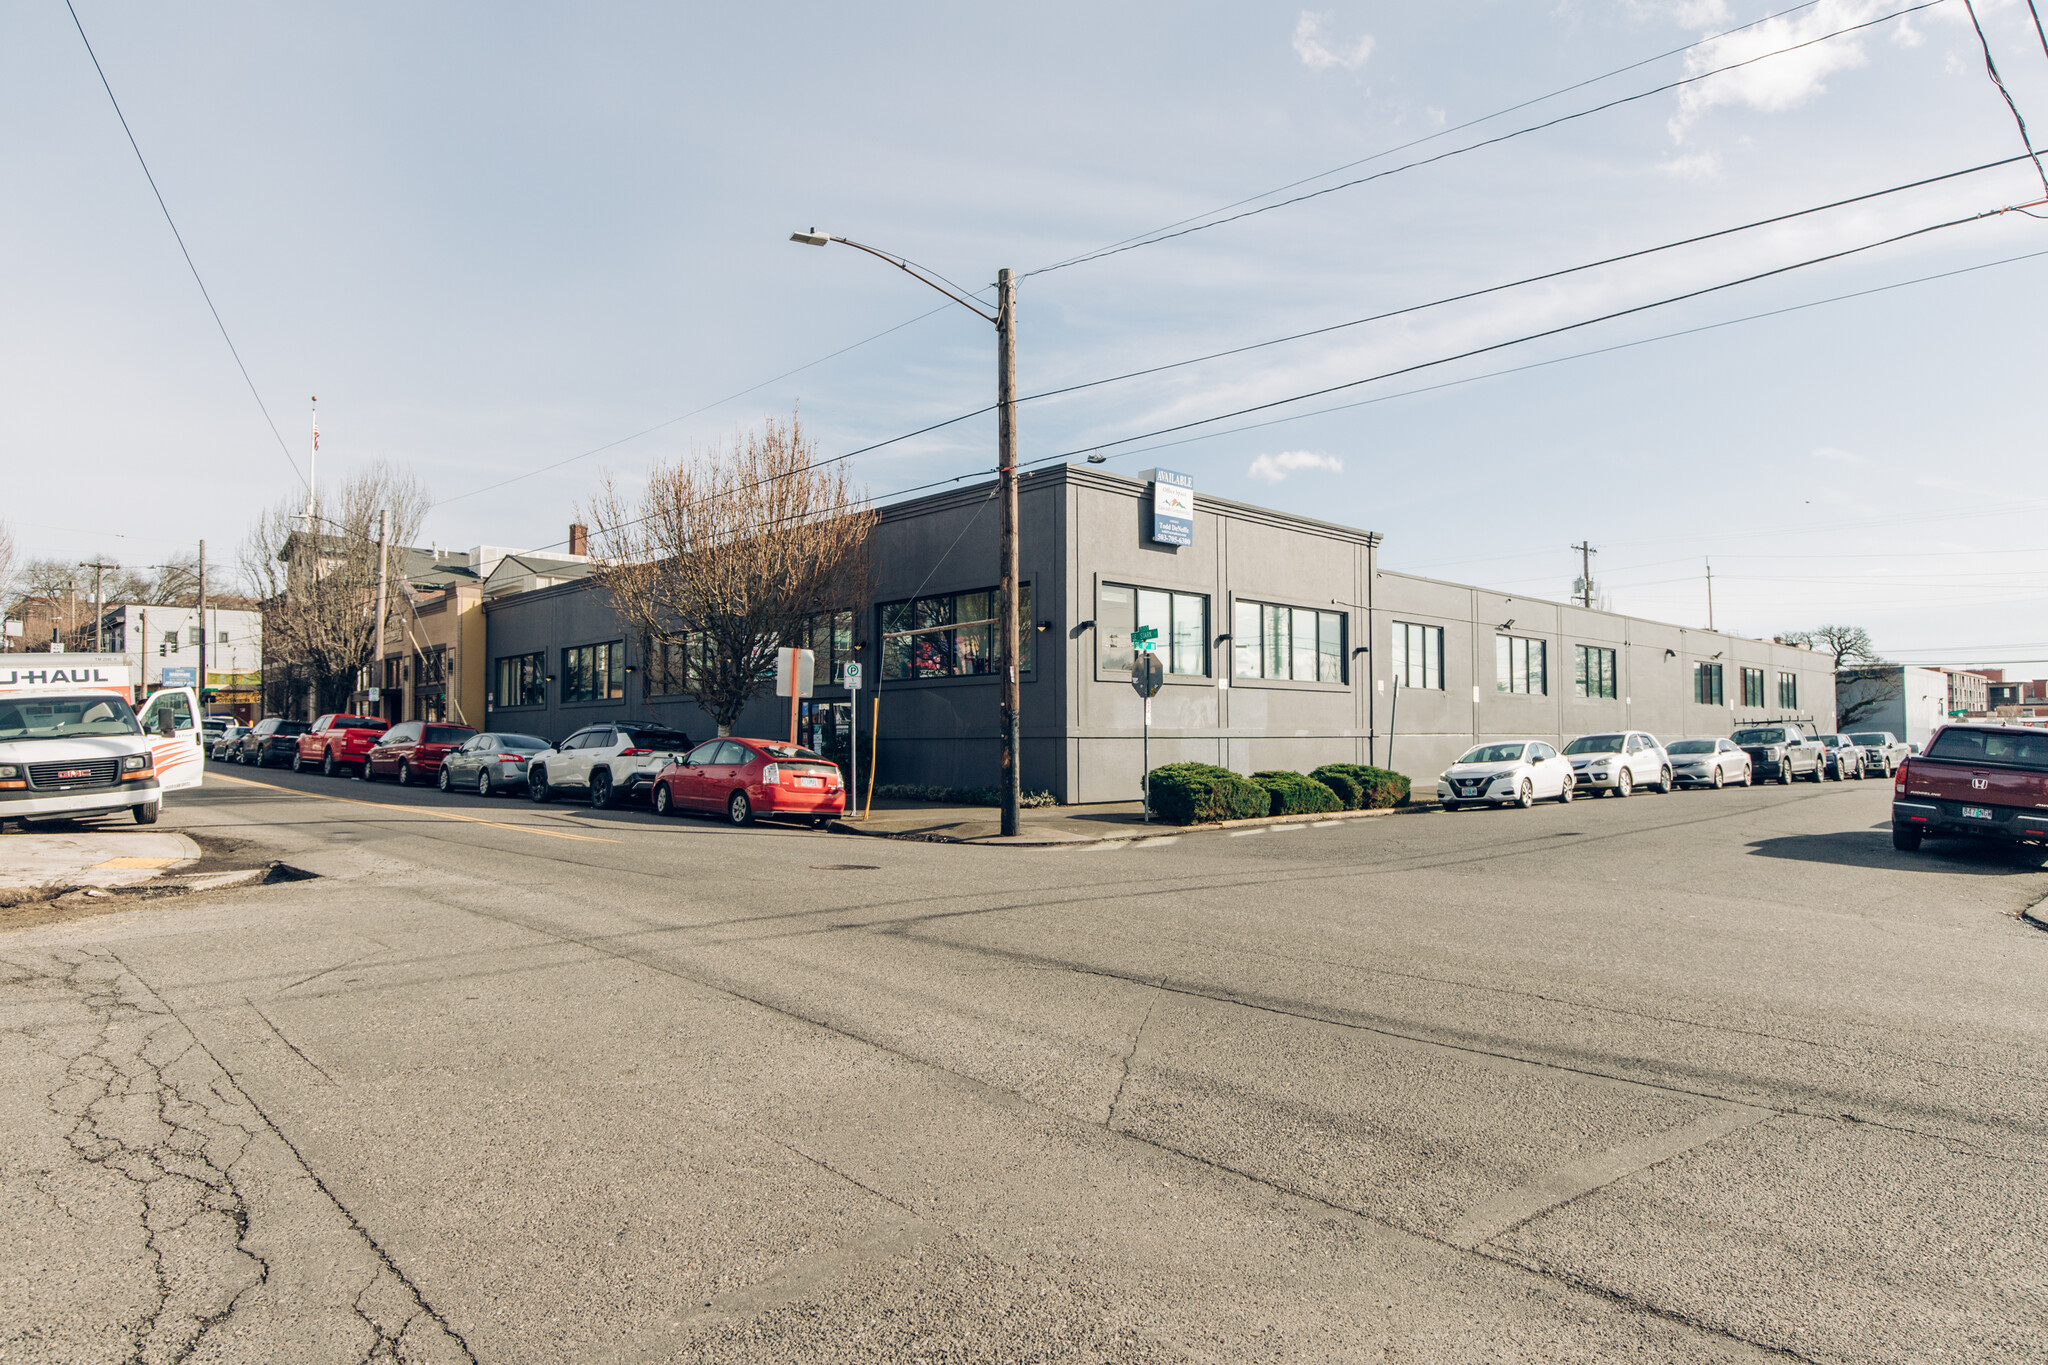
x=161, y=645
x=1909, y=702
x=1968, y=692
x=47, y=622
x=1286, y=647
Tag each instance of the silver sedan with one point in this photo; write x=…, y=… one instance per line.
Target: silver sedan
x=488, y=762
x=1708, y=763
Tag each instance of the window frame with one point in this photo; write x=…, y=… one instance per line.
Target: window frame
x=1584, y=681
x=1163, y=647
x=1788, y=690
x=1755, y=675
x=1702, y=671
x=533, y=684
x=613, y=691
x=1399, y=648
x=1266, y=651
x=1533, y=649
x=947, y=637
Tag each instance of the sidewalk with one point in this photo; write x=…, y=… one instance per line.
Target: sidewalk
x=99, y=859
x=1049, y=826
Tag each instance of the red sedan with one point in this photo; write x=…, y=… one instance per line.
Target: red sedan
x=743, y=778
x=412, y=751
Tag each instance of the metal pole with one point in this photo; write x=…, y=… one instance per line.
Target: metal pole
x=1012, y=626
x=383, y=585
x=1146, y=785
x=1710, y=594
x=853, y=756
x=202, y=627
x=1393, y=724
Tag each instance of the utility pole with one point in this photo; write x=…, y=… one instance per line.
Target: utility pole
x=383, y=566
x=1006, y=468
x=99, y=607
x=202, y=627
x=1586, y=553
x=1710, y=594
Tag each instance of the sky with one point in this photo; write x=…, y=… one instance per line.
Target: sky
x=514, y=247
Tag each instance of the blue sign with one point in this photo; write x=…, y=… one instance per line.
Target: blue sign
x=181, y=677
x=1173, y=507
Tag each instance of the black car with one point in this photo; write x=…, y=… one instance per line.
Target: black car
x=271, y=740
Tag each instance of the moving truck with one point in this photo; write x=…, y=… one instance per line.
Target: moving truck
x=72, y=743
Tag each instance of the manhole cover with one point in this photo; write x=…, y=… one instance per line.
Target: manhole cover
x=844, y=867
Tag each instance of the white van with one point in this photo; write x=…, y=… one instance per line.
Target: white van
x=72, y=745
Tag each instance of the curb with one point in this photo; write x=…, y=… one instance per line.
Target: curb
x=1134, y=834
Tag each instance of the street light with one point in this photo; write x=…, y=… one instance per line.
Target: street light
x=1005, y=319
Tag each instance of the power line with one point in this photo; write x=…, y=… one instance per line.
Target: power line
x=1431, y=137
x=284, y=449
x=1155, y=239
x=1991, y=69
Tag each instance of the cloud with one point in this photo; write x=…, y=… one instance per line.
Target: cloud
x=1692, y=166
x=1777, y=83
x=1274, y=468
x=1318, y=55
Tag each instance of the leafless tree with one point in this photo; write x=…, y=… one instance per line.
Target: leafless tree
x=728, y=554
x=318, y=588
x=6, y=563
x=1876, y=688
x=1848, y=644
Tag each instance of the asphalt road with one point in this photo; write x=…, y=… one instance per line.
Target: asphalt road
x=1716, y=1076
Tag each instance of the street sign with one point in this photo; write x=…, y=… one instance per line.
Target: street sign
x=793, y=669
x=851, y=674
x=181, y=677
x=1144, y=638
x=1173, y=507
x=1148, y=675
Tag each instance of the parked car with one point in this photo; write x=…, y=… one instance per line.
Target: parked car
x=1708, y=763
x=222, y=746
x=1844, y=757
x=1516, y=772
x=1619, y=762
x=270, y=740
x=1981, y=781
x=337, y=743
x=745, y=778
x=490, y=761
x=211, y=728
x=412, y=750
x=1882, y=749
x=1782, y=752
x=611, y=762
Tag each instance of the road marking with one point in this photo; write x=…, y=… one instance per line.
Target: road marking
x=1154, y=841
x=1241, y=833
x=1287, y=829
x=135, y=863
x=415, y=810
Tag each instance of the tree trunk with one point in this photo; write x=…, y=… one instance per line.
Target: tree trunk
x=723, y=729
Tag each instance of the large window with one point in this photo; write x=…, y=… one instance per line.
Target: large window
x=829, y=637
x=1418, y=656
x=1521, y=665
x=521, y=679
x=1752, y=687
x=1179, y=621
x=1788, y=690
x=594, y=672
x=954, y=635
x=1706, y=684
x=672, y=661
x=1298, y=643
x=1593, y=671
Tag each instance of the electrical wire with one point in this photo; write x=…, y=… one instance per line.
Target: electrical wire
x=1475, y=146
x=283, y=449
x=2040, y=32
x=1991, y=69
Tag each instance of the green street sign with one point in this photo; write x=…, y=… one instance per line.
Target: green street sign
x=1144, y=637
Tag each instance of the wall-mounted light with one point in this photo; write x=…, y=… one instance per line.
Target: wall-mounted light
x=1719, y=653
x=1362, y=649
x=1222, y=639
x=1044, y=626
x=1670, y=653
x=1088, y=624
x=1508, y=624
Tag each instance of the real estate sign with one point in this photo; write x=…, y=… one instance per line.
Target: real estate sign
x=1173, y=507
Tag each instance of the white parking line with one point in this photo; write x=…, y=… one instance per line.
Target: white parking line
x=1241, y=833
x=1154, y=843
x=1288, y=829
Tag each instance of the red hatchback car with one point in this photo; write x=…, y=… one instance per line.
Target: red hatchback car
x=412, y=751
x=743, y=778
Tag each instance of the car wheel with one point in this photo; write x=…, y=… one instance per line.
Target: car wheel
x=1525, y=795
x=740, y=809
x=145, y=814
x=1719, y=777
x=1748, y=775
x=298, y=762
x=1664, y=781
x=483, y=781
x=327, y=764
x=444, y=781
x=1569, y=790
x=1820, y=772
x=664, y=804
x=1905, y=838
x=1785, y=773
x=1858, y=774
x=601, y=789
x=404, y=774
x=1624, y=783
x=537, y=785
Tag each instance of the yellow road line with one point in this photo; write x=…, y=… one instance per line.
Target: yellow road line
x=414, y=810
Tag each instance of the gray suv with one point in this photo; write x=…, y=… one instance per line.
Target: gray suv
x=1782, y=751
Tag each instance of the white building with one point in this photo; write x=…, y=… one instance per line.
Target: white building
x=162, y=646
x=1909, y=702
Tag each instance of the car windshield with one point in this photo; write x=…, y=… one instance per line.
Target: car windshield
x=292, y=727
x=1595, y=744
x=66, y=718
x=1493, y=753
x=1971, y=746
x=1690, y=746
x=1759, y=736
x=528, y=742
x=1875, y=740
x=1832, y=741
x=657, y=739
x=447, y=734
x=357, y=723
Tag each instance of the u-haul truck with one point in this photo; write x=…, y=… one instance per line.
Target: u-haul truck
x=71, y=744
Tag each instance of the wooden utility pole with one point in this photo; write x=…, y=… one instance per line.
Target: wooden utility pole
x=202, y=627
x=1006, y=467
x=99, y=606
x=1586, y=553
x=383, y=580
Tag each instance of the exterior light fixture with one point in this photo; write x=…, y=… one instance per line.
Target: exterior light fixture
x=811, y=238
x=1221, y=638
x=1044, y=626
x=1098, y=458
x=1507, y=624
x=1670, y=653
x=1088, y=624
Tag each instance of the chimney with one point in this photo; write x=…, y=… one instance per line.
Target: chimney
x=579, y=538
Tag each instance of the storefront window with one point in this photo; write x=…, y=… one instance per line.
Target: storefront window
x=952, y=635
x=1179, y=620
x=1295, y=643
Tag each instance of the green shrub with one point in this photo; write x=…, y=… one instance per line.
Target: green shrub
x=1378, y=788
x=1201, y=793
x=1337, y=777
x=1294, y=794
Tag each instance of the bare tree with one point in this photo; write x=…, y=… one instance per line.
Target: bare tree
x=1876, y=688
x=1848, y=644
x=6, y=564
x=318, y=588
x=730, y=553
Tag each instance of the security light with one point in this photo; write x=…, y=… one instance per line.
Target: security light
x=1045, y=625
x=811, y=238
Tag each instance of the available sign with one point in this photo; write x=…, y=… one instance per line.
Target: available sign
x=181, y=677
x=1173, y=507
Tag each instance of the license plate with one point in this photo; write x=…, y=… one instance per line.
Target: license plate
x=1976, y=813
x=810, y=781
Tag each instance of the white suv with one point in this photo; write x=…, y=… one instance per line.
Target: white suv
x=1619, y=762
x=610, y=762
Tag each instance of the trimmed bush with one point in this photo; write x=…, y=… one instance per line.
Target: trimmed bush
x=1294, y=794
x=1378, y=788
x=1202, y=793
x=1348, y=788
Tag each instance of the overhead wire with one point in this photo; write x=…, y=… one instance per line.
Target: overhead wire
x=183, y=250
x=1991, y=69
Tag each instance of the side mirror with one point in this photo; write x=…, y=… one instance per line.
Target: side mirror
x=166, y=724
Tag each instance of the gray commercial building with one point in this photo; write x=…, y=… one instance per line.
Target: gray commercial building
x=1285, y=646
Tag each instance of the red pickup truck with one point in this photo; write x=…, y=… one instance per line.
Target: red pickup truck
x=1982, y=781
x=337, y=743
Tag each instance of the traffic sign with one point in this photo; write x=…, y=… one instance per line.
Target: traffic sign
x=1148, y=675
x=850, y=673
x=1144, y=638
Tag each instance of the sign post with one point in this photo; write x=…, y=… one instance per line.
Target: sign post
x=1148, y=675
x=793, y=668
x=851, y=674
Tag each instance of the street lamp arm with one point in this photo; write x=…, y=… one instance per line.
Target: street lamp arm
x=915, y=272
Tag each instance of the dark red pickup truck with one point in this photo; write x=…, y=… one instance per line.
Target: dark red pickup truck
x=337, y=743
x=1982, y=781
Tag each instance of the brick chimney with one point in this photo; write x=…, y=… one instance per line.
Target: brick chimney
x=579, y=538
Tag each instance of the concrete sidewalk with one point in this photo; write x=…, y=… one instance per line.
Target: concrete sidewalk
x=1049, y=826
x=110, y=859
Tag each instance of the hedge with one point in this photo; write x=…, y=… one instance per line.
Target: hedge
x=1347, y=787
x=1377, y=788
x=1294, y=794
x=1200, y=793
